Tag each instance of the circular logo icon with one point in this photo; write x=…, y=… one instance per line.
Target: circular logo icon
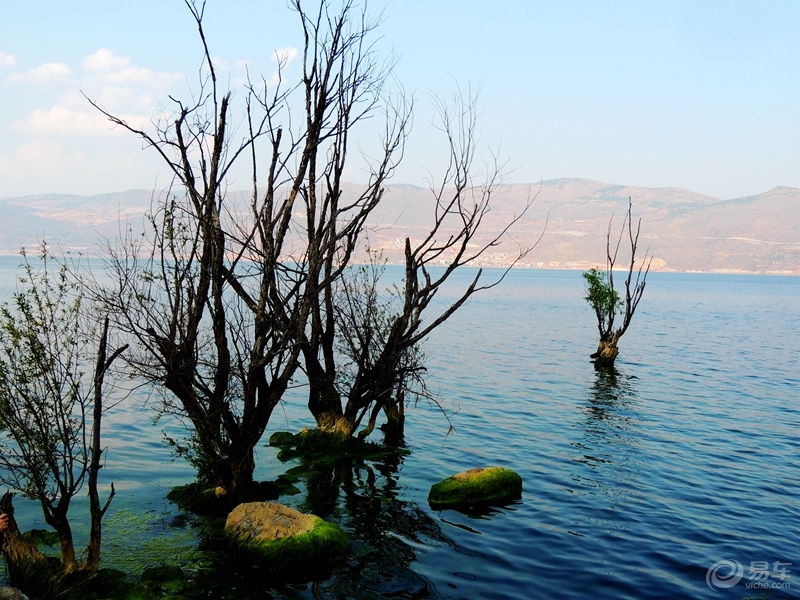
x=724, y=574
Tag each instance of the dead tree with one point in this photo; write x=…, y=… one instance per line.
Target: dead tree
x=604, y=298
x=381, y=363
x=218, y=297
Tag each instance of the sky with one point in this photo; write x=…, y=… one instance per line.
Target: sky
x=698, y=95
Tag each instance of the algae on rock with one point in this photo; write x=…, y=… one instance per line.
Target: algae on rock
x=284, y=536
x=492, y=485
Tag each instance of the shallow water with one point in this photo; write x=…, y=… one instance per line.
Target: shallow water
x=634, y=484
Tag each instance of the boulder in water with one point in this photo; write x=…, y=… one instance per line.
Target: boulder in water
x=284, y=536
x=491, y=485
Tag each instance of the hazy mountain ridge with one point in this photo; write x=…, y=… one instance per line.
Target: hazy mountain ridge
x=684, y=230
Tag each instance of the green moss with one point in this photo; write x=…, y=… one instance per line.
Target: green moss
x=288, y=454
x=326, y=542
x=286, y=485
x=141, y=592
x=320, y=450
x=200, y=500
x=281, y=438
x=42, y=537
x=489, y=486
x=162, y=573
x=133, y=539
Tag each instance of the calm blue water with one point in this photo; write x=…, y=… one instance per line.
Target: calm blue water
x=634, y=484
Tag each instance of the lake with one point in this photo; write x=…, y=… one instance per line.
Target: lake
x=635, y=483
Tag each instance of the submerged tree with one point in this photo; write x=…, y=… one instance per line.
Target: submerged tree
x=379, y=340
x=218, y=294
x=50, y=418
x=225, y=297
x=603, y=297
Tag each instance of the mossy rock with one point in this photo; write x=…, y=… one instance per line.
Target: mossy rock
x=214, y=502
x=492, y=485
x=283, y=537
x=286, y=453
x=142, y=592
x=281, y=438
x=163, y=573
x=286, y=485
x=42, y=537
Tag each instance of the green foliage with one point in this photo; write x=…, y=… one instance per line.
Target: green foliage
x=490, y=486
x=602, y=297
x=191, y=450
x=43, y=406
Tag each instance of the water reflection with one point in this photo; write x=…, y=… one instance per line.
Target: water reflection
x=610, y=437
x=386, y=535
x=386, y=532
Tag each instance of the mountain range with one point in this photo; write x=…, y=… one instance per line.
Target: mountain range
x=569, y=218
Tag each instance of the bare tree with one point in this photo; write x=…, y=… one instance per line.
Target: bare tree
x=380, y=340
x=50, y=421
x=604, y=298
x=218, y=301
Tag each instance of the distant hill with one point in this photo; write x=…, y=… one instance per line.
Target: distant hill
x=684, y=230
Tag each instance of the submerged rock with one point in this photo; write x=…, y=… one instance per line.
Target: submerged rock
x=284, y=536
x=281, y=438
x=215, y=502
x=492, y=485
x=10, y=593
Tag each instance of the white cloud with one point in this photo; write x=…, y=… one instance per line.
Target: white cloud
x=43, y=165
x=105, y=60
x=283, y=58
x=65, y=120
x=42, y=74
x=220, y=64
x=7, y=60
x=286, y=55
x=141, y=76
x=38, y=156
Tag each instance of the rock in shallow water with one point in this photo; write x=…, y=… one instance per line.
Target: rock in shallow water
x=284, y=536
x=10, y=593
x=492, y=485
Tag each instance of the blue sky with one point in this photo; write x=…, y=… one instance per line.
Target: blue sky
x=700, y=95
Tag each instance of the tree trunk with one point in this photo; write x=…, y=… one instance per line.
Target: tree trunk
x=95, y=511
x=607, y=352
x=324, y=401
x=325, y=405
x=237, y=470
x=395, y=422
x=345, y=424
x=58, y=521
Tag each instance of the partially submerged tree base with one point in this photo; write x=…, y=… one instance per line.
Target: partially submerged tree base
x=325, y=448
x=200, y=499
x=607, y=352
